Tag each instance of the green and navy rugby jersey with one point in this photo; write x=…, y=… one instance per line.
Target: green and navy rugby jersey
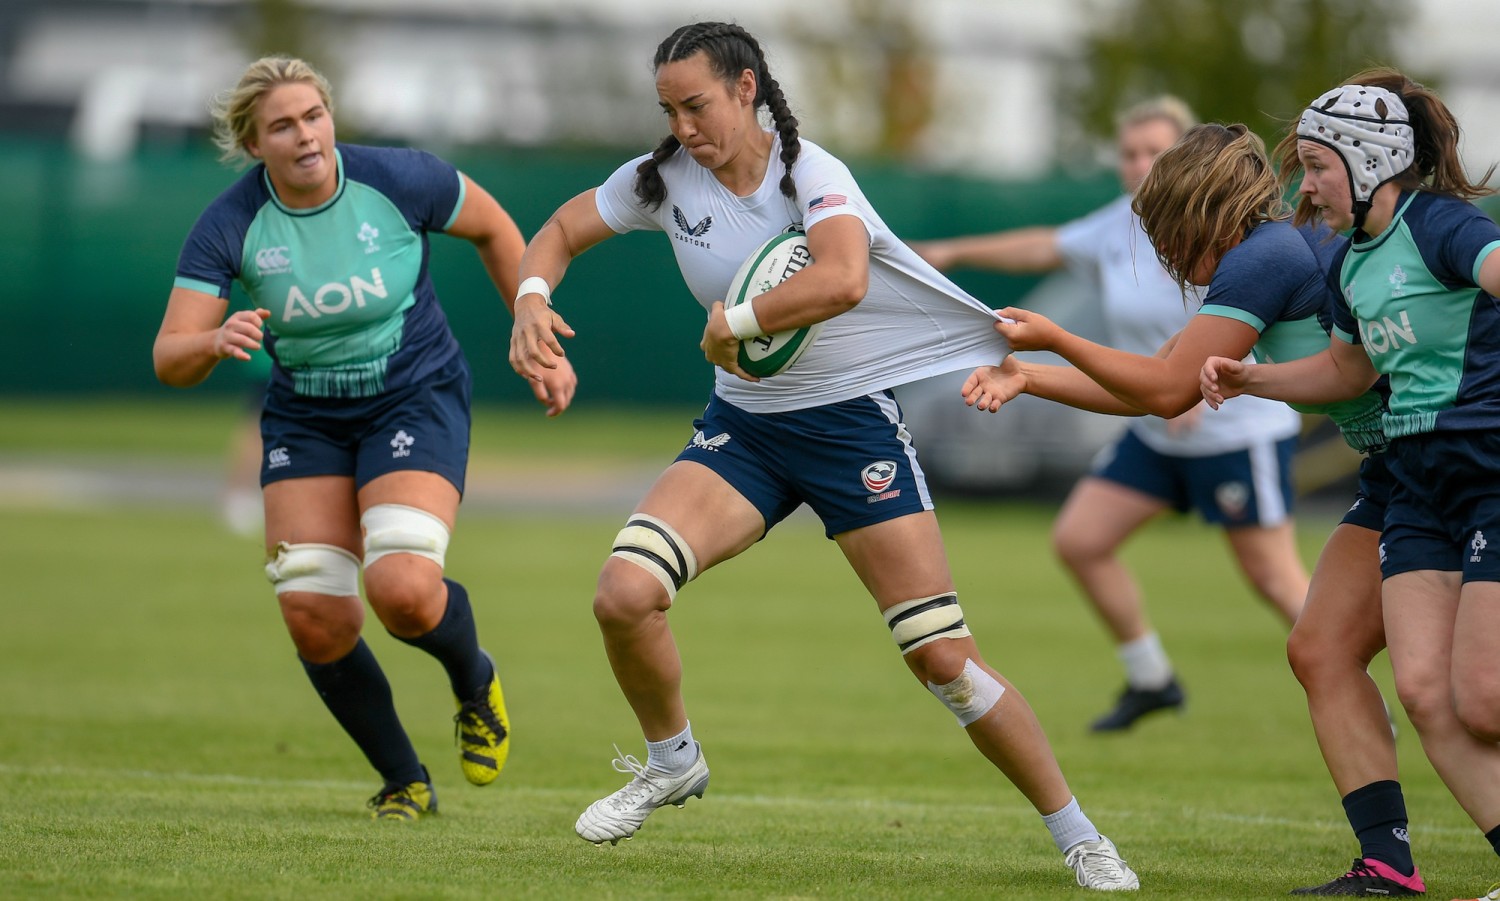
x=353, y=311
x=1411, y=297
x=1276, y=281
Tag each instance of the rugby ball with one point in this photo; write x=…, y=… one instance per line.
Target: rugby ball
x=771, y=264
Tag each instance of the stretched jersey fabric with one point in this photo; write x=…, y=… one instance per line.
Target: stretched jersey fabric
x=1275, y=281
x=1143, y=307
x=353, y=311
x=1411, y=297
x=912, y=323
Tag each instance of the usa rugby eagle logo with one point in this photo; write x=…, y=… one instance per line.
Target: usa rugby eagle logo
x=879, y=476
x=692, y=231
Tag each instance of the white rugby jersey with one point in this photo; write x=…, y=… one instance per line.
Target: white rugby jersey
x=1143, y=307
x=913, y=322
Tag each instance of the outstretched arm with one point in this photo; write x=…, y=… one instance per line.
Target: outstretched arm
x=1340, y=372
x=990, y=387
x=1165, y=385
x=1020, y=250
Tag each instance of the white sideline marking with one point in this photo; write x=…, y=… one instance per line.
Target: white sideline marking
x=581, y=796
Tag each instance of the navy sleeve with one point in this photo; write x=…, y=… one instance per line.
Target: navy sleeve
x=1460, y=232
x=211, y=255
x=427, y=189
x=1270, y=276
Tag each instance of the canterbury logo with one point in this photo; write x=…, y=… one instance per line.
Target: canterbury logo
x=692, y=231
x=272, y=259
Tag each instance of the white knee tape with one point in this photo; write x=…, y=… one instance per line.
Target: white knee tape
x=656, y=547
x=317, y=568
x=925, y=620
x=971, y=695
x=399, y=529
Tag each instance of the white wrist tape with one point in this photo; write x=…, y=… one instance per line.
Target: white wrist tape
x=535, y=284
x=742, y=321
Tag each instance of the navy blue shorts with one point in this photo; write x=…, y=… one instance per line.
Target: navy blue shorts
x=852, y=462
x=1373, y=496
x=1445, y=505
x=420, y=427
x=1250, y=487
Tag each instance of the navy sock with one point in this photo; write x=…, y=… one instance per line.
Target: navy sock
x=1494, y=836
x=1377, y=812
x=455, y=643
x=357, y=694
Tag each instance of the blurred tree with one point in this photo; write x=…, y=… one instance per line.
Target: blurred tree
x=876, y=75
x=906, y=85
x=1251, y=61
x=282, y=27
x=291, y=28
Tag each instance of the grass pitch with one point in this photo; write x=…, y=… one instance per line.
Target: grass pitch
x=159, y=740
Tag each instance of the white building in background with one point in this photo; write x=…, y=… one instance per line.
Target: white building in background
x=440, y=73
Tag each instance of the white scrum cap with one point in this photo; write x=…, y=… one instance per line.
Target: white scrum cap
x=1369, y=128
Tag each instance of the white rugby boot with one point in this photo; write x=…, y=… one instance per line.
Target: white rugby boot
x=622, y=813
x=1099, y=866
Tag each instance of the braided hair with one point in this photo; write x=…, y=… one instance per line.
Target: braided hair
x=730, y=50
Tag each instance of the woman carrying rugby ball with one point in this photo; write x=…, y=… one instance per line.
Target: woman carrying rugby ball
x=825, y=432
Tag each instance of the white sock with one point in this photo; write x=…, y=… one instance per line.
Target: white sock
x=672, y=755
x=1146, y=663
x=1069, y=826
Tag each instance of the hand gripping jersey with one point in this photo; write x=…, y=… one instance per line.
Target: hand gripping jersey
x=913, y=322
x=1411, y=296
x=1143, y=307
x=353, y=311
x=1275, y=281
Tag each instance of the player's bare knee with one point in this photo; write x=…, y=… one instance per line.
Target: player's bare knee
x=627, y=595
x=1478, y=709
x=322, y=642
x=408, y=613
x=406, y=592
x=1305, y=654
x=1332, y=652
x=1426, y=697
x=1074, y=549
x=323, y=628
x=940, y=661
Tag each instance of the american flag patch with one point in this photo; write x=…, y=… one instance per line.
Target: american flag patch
x=826, y=201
